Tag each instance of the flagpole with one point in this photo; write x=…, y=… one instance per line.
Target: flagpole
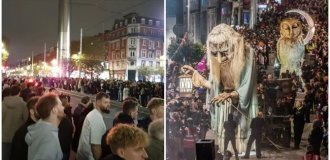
x=45, y=50
x=80, y=52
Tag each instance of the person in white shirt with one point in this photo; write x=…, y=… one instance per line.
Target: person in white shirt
x=93, y=128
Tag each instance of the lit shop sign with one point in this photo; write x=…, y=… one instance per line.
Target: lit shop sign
x=262, y=6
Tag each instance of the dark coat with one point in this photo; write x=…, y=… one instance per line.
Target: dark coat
x=19, y=148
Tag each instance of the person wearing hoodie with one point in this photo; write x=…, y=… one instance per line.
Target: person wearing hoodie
x=19, y=148
x=42, y=137
x=14, y=114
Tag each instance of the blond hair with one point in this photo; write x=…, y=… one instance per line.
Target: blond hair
x=155, y=103
x=124, y=135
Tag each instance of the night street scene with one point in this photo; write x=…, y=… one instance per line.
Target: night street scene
x=83, y=80
x=250, y=72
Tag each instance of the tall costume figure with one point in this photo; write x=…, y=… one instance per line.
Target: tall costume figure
x=232, y=82
x=291, y=45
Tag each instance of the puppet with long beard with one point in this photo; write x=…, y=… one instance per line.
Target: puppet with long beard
x=231, y=84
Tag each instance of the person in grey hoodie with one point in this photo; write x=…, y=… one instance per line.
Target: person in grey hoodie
x=14, y=114
x=42, y=137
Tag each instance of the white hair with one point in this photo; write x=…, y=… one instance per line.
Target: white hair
x=223, y=33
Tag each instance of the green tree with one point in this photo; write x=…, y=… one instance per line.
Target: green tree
x=4, y=55
x=145, y=71
x=186, y=53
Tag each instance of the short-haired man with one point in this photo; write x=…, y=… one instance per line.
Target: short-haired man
x=257, y=125
x=42, y=137
x=156, y=110
x=19, y=148
x=129, y=107
x=89, y=147
x=127, y=142
x=79, y=109
x=14, y=115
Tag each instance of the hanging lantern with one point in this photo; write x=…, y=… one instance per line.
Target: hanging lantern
x=185, y=87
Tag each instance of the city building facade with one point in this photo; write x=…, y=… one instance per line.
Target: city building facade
x=135, y=42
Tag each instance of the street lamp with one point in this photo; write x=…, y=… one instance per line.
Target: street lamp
x=54, y=62
x=185, y=87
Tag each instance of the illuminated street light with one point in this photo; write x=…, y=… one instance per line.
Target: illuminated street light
x=54, y=62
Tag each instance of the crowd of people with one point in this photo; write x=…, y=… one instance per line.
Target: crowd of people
x=44, y=125
x=116, y=89
x=188, y=119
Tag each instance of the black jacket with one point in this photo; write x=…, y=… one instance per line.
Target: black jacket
x=257, y=125
x=19, y=148
x=65, y=131
x=230, y=127
x=144, y=123
x=105, y=148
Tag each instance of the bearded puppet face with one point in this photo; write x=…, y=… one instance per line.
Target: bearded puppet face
x=225, y=48
x=220, y=51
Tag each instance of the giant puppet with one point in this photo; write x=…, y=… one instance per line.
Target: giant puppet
x=291, y=45
x=231, y=83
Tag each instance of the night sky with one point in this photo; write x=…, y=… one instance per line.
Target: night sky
x=28, y=24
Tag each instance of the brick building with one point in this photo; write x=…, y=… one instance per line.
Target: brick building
x=134, y=41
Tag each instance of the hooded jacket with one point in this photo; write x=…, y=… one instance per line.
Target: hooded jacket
x=14, y=115
x=42, y=140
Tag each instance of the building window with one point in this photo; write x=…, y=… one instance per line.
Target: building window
x=132, y=41
x=144, y=42
x=133, y=30
x=118, y=55
x=157, y=64
x=120, y=24
x=126, y=22
x=118, y=45
x=117, y=63
x=143, y=20
x=113, y=56
x=152, y=32
x=151, y=44
x=150, y=22
x=157, y=23
x=158, y=44
x=122, y=54
x=132, y=53
x=143, y=53
x=150, y=55
x=158, y=53
x=143, y=63
x=151, y=63
x=144, y=31
x=133, y=20
x=122, y=64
